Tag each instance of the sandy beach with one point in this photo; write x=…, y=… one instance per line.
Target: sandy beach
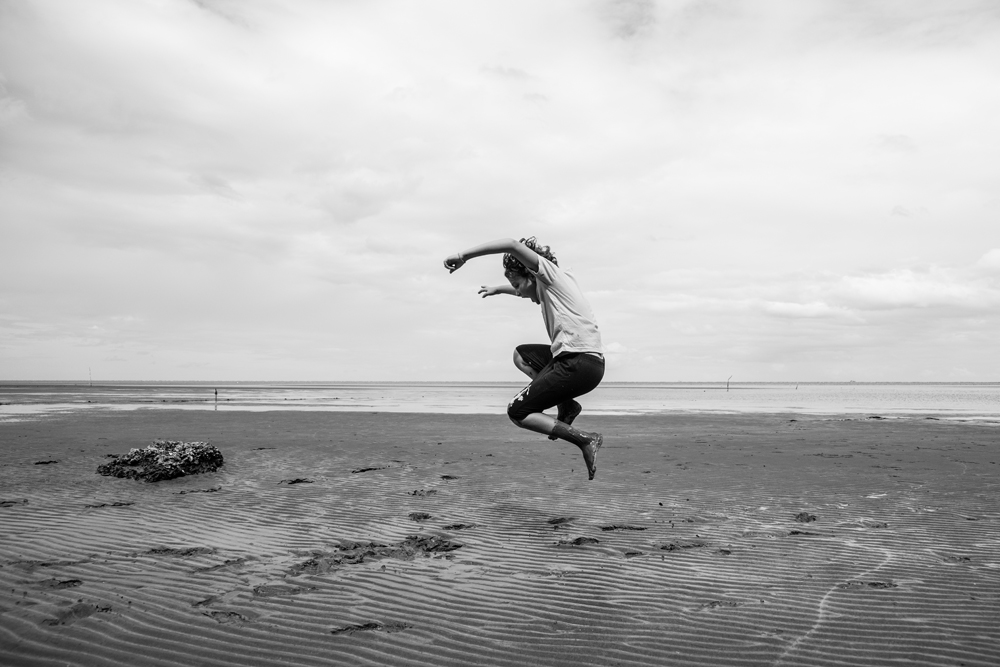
x=422, y=539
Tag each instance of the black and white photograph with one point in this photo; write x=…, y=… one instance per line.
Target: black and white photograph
x=477, y=332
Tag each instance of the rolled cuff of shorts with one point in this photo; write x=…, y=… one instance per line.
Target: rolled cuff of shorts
x=518, y=409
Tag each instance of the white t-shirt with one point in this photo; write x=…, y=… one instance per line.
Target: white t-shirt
x=568, y=318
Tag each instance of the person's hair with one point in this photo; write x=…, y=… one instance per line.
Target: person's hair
x=513, y=266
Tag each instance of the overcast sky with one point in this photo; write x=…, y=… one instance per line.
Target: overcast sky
x=266, y=189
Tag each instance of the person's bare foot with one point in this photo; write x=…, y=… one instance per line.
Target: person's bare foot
x=594, y=442
x=571, y=413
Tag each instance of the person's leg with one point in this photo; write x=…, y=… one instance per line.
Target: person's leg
x=531, y=359
x=589, y=443
x=559, y=382
x=567, y=413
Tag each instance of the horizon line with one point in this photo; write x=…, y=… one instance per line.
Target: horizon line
x=721, y=382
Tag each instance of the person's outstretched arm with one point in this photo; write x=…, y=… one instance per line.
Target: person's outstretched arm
x=486, y=290
x=524, y=254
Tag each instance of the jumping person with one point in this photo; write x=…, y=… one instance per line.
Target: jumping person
x=572, y=365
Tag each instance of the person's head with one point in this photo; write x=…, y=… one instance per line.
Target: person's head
x=517, y=273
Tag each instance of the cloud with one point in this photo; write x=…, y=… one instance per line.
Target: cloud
x=361, y=193
x=629, y=18
x=990, y=261
x=822, y=294
x=11, y=109
x=255, y=182
x=506, y=72
x=813, y=309
x=216, y=185
x=224, y=9
x=792, y=324
x=908, y=288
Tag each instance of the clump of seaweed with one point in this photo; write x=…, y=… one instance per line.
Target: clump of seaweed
x=164, y=459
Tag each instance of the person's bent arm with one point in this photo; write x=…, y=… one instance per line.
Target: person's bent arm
x=486, y=290
x=524, y=254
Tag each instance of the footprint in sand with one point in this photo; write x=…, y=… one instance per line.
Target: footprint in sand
x=183, y=553
x=275, y=590
x=30, y=565
x=715, y=604
x=561, y=522
x=957, y=559
x=370, y=627
x=59, y=584
x=232, y=562
x=681, y=546
x=578, y=542
x=231, y=617
x=76, y=612
x=856, y=585
x=369, y=469
x=207, y=601
x=729, y=604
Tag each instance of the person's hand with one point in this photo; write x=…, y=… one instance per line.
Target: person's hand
x=486, y=291
x=454, y=262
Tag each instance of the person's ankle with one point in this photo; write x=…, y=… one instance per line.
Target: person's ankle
x=569, y=434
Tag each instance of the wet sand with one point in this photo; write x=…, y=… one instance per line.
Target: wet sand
x=418, y=539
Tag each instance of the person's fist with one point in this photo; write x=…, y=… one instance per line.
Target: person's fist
x=454, y=262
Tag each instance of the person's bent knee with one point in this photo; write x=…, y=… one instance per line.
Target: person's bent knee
x=523, y=365
x=515, y=416
x=516, y=413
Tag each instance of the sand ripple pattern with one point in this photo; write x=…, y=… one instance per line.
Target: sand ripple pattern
x=347, y=539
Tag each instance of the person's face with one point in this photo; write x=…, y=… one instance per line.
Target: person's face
x=524, y=286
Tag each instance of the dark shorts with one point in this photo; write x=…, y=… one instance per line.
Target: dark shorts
x=567, y=376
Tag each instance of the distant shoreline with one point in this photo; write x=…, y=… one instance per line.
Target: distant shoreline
x=325, y=383
x=969, y=401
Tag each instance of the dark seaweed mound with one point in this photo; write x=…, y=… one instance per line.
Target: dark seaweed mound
x=164, y=459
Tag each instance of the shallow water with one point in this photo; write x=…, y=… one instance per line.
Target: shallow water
x=979, y=401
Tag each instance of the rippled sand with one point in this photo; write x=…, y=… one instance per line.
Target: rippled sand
x=339, y=538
